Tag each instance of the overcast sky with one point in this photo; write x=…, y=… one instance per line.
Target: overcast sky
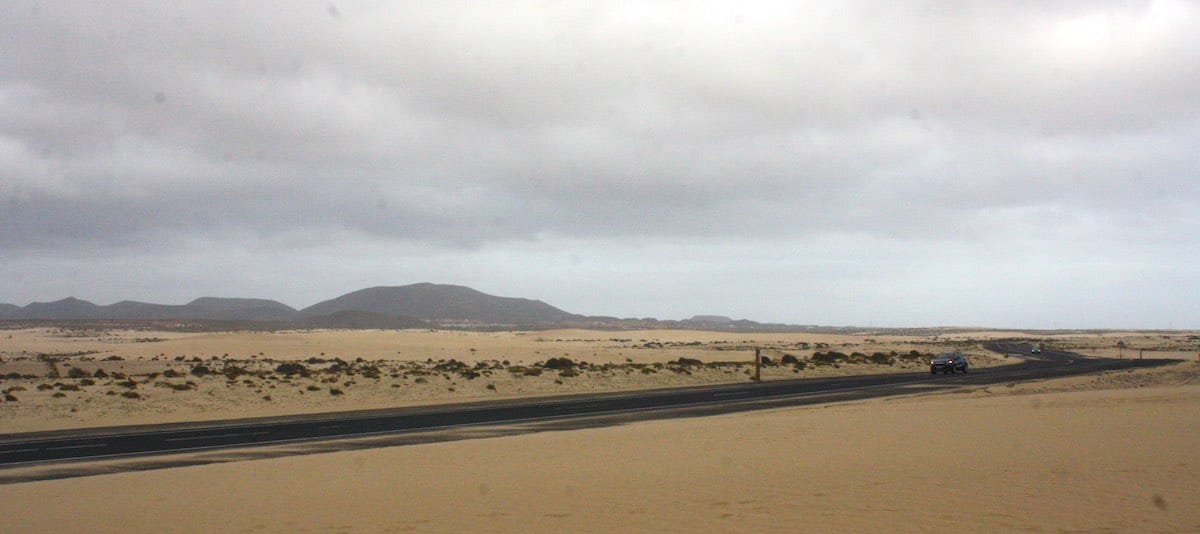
x=1010, y=164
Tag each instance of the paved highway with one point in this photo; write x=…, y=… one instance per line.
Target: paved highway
x=564, y=411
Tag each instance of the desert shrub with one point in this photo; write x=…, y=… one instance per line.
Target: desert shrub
x=201, y=370
x=232, y=372
x=649, y=370
x=559, y=363
x=171, y=373
x=9, y=397
x=75, y=372
x=114, y=359
x=828, y=357
x=266, y=397
x=15, y=388
x=59, y=395
x=68, y=387
x=44, y=387
x=131, y=395
x=100, y=374
x=533, y=371
x=313, y=387
x=880, y=358
x=450, y=365
x=314, y=361
x=335, y=392
x=177, y=387
x=492, y=387
x=421, y=380
x=789, y=359
x=468, y=374
x=128, y=384
x=568, y=373
x=291, y=368
x=13, y=375
x=87, y=382
x=687, y=361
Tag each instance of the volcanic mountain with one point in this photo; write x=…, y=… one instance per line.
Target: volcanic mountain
x=443, y=304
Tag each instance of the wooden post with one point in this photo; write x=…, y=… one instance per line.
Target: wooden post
x=758, y=365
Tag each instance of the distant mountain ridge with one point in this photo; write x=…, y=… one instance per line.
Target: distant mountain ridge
x=413, y=306
x=422, y=305
x=205, y=308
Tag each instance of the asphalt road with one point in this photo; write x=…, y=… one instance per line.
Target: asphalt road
x=423, y=424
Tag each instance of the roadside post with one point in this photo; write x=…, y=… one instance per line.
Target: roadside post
x=758, y=365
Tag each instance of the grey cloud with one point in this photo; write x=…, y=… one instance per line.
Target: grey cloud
x=460, y=127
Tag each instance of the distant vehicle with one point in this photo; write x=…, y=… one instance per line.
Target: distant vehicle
x=1037, y=349
x=948, y=362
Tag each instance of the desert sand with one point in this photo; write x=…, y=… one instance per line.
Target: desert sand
x=62, y=378
x=1114, y=452
x=597, y=346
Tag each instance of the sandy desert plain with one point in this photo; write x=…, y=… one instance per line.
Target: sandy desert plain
x=1117, y=451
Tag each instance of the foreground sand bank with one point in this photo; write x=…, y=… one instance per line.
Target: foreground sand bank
x=1049, y=456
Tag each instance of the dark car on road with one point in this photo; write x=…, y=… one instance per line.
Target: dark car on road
x=948, y=362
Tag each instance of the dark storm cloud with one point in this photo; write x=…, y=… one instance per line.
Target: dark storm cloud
x=457, y=127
